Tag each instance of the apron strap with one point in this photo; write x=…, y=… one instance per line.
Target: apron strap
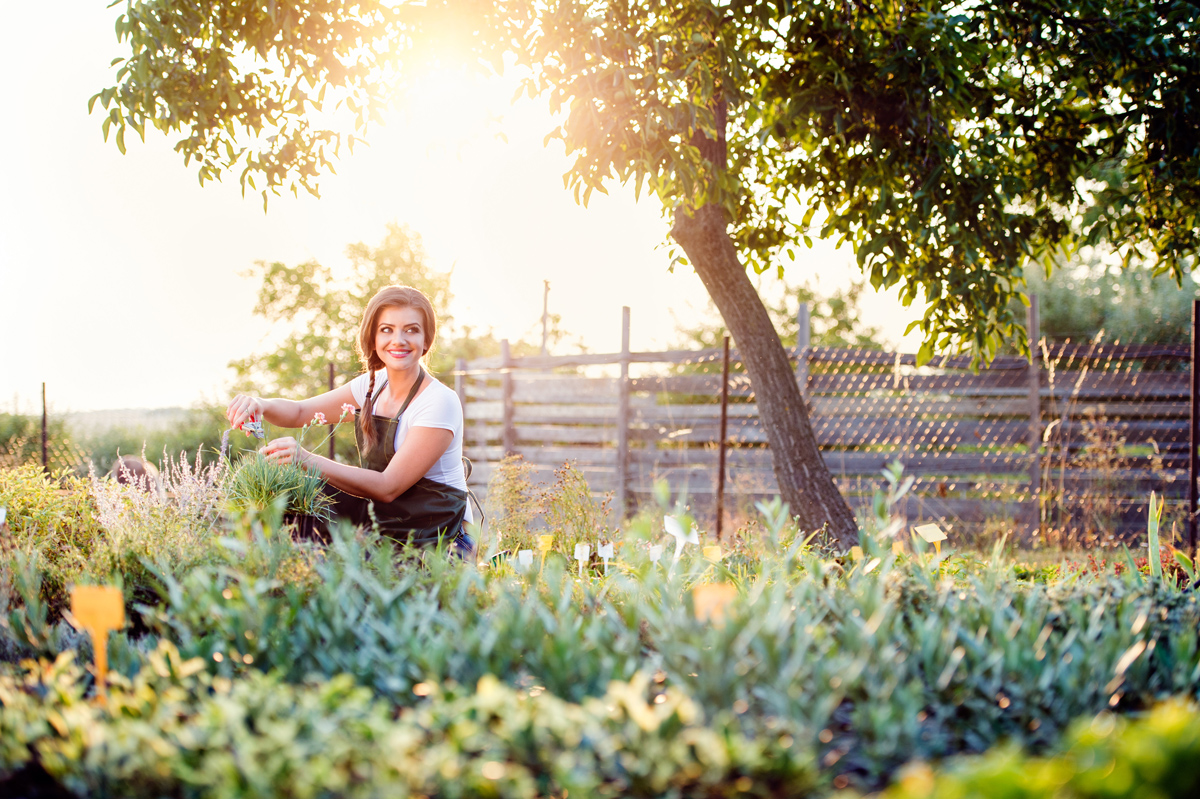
x=412, y=392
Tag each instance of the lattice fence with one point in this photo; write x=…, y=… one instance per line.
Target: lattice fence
x=1066, y=447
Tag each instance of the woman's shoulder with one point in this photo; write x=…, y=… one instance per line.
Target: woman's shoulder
x=439, y=397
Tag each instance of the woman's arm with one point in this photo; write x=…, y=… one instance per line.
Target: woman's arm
x=288, y=413
x=421, y=449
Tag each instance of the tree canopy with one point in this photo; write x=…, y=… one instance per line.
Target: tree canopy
x=316, y=318
x=944, y=141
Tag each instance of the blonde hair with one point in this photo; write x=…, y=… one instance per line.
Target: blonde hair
x=387, y=297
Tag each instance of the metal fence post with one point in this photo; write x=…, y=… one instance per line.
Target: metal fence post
x=45, y=436
x=722, y=436
x=1033, y=328
x=1194, y=434
x=803, y=345
x=506, y=382
x=623, y=420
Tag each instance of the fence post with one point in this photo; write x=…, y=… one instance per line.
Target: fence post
x=623, y=420
x=803, y=344
x=332, y=425
x=506, y=382
x=1033, y=328
x=1194, y=435
x=721, y=437
x=460, y=383
x=45, y=448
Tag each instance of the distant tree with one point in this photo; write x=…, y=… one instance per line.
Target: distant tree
x=318, y=316
x=1083, y=297
x=835, y=318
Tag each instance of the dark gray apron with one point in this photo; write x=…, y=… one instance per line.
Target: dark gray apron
x=427, y=511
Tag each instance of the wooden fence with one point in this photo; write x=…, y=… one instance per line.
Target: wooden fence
x=1084, y=429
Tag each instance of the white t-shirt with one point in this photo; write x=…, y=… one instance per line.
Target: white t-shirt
x=436, y=406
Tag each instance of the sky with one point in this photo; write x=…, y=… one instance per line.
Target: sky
x=125, y=284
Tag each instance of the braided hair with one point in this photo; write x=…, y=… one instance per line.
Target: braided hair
x=387, y=297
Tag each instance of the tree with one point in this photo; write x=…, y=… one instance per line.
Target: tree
x=317, y=318
x=320, y=316
x=946, y=142
x=1088, y=296
x=835, y=318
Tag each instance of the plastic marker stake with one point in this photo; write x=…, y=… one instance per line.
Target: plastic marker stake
x=605, y=551
x=525, y=558
x=545, y=542
x=856, y=553
x=582, y=553
x=897, y=548
x=712, y=554
x=932, y=535
x=3, y=514
x=99, y=609
x=656, y=551
x=682, y=537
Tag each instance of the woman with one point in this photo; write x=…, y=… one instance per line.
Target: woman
x=409, y=429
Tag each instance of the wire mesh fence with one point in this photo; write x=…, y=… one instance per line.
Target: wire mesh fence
x=1064, y=449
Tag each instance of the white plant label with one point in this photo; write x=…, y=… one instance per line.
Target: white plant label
x=582, y=553
x=605, y=551
x=3, y=515
x=675, y=529
x=525, y=558
x=656, y=551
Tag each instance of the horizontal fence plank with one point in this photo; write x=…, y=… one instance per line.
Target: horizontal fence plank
x=860, y=357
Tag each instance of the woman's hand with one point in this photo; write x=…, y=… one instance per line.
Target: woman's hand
x=244, y=408
x=285, y=450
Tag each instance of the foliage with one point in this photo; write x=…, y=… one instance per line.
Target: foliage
x=200, y=434
x=1105, y=756
x=175, y=729
x=564, y=508
x=945, y=142
x=1089, y=296
x=256, y=484
x=21, y=443
x=57, y=519
x=321, y=316
x=835, y=318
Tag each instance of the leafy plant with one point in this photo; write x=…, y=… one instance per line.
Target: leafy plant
x=255, y=484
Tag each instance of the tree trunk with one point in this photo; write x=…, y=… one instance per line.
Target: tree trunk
x=804, y=482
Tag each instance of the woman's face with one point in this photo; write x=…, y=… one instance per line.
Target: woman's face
x=400, y=337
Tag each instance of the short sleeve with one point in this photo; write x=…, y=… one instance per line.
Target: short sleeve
x=442, y=410
x=358, y=388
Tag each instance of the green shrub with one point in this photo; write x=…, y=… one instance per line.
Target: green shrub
x=56, y=518
x=174, y=729
x=256, y=484
x=1103, y=757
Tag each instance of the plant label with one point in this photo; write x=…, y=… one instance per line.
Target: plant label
x=605, y=551
x=675, y=529
x=711, y=601
x=656, y=551
x=932, y=535
x=3, y=514
x=582, y=553
x=713, y=554
x=525, y=558
x=545, y=543
x=99, y=609
x=856, y=553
